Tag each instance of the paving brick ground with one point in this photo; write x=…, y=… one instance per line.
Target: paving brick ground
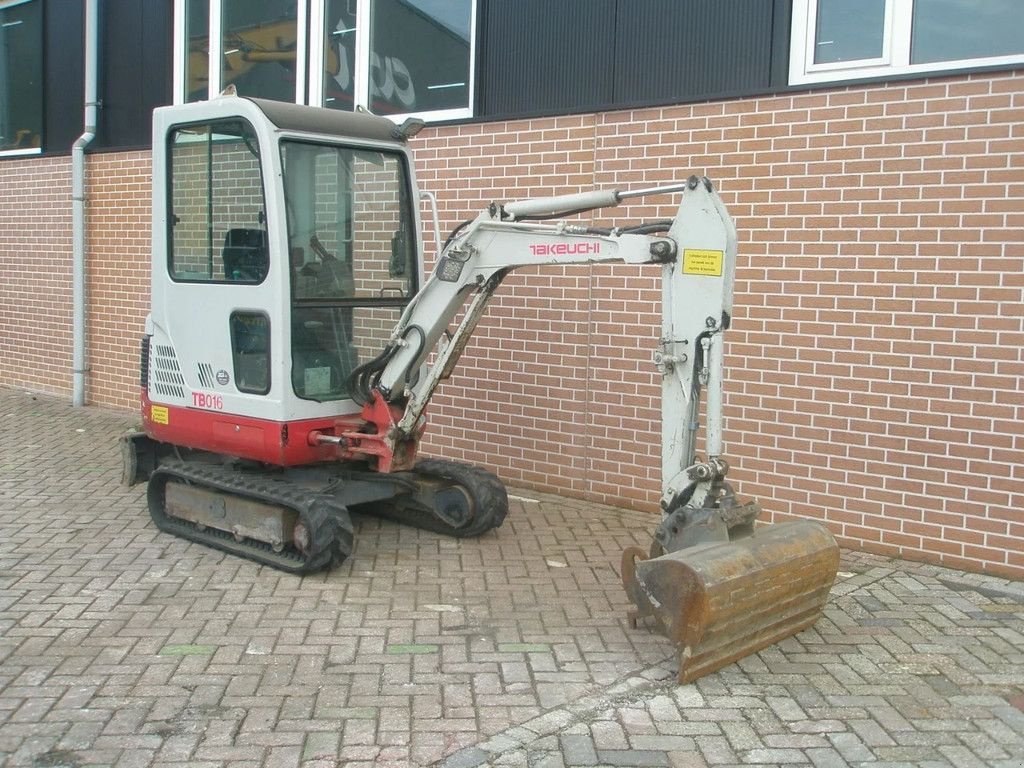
x=122, y=646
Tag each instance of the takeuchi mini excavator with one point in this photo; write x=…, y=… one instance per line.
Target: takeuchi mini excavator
x=291, y=352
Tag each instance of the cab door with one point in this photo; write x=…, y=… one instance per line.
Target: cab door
x=211, y=346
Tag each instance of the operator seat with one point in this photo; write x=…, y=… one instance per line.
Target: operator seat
x=245, y=255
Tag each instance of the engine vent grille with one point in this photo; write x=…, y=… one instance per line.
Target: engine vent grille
x=165, y=374
x=206, y=375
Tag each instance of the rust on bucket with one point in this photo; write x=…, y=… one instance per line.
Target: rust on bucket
x=720, y=602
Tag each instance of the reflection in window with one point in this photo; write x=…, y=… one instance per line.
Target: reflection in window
x=259, y=45
x=340, y=54
x=849, y=30
x=391, y=56
x=948, y=30
x=197, y=60
x=419, y=55
x=218, y=230
x=21, y=77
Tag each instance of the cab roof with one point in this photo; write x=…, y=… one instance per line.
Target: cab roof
x=359, y=125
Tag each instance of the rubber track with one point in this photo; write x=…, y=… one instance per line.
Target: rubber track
x=329, y=523
x=488, y=495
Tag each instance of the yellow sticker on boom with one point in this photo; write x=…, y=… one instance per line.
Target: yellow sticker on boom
x=698, y=262
x=158, y=414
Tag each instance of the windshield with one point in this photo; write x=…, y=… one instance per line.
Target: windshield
x=352, y=253
x=350, y=228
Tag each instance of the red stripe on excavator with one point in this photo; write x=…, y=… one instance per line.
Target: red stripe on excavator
x=283, y=443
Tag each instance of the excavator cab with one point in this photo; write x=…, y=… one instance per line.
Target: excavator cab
x=264, y=206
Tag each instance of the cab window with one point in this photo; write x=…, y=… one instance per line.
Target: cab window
x=250, y=351
x=217, y=221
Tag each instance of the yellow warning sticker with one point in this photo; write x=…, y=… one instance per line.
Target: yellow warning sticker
x=697, y=262
x=158, y=414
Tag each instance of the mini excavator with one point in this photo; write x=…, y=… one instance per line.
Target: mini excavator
x=291, y=352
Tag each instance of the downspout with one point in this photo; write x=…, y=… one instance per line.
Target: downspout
x=78, y=203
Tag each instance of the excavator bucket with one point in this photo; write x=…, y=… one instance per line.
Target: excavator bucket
x=719, y=602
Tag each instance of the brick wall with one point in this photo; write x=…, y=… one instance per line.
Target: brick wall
x=876, y=378
x=875, y=372
x=118, y=274
x=35, y=274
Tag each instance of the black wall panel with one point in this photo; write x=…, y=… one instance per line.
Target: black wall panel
x=687, y=50
x=136, y=37
x=135, y=71
x=781, y=21
x=545, y=55
x=549, y=56
x=62, y=74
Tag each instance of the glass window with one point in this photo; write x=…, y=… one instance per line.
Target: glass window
x=849, y=30
x=258, y=53
x=352, y=248
x=217, y=219
x=21, y=77
x=394, y=57
x=339, y=54
x=197, y=56
x=250, y=349
x=835, y=40
x=948, y=30
x=419, y=55
x=349, y=222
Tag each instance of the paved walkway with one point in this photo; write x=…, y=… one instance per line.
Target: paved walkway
x=122, y=646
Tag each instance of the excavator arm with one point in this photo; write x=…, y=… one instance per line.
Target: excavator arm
x=716, y=587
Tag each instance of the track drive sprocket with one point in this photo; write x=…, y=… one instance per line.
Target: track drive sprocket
x=454, y=499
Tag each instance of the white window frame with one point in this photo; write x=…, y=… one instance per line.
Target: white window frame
x=28, y=150
x=361, y=75
x=895, y=58
x=310, y=79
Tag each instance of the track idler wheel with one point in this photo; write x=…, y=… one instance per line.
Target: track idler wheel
x=720, y=602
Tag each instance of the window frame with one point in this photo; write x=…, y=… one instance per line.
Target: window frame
x=361, y=75
x=309, y=74
x=895, y=59
x=300, y=306
x=26, y=151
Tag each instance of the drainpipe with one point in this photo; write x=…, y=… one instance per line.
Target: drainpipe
x=78, y=203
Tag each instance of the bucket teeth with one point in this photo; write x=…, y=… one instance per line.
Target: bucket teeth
x=723, y=601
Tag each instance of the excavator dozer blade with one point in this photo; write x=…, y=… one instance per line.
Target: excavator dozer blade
x=719, y=602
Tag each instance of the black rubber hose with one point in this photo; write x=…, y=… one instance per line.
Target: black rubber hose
x=648, y=228
x=454, y=232
x=364, y=378
x=358, y=380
